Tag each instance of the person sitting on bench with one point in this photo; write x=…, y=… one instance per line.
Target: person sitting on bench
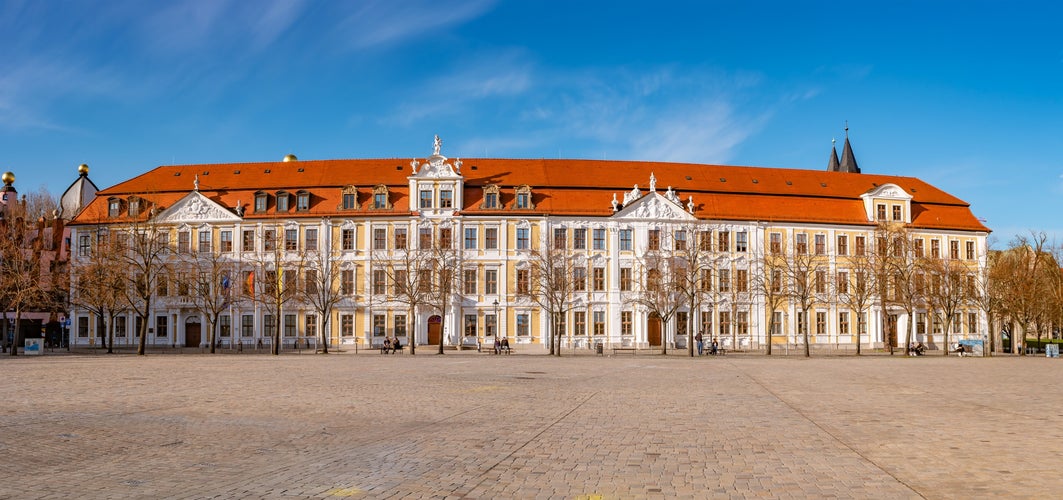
x=387, y=346
x=395, y=345
x=714, y=348
x=504, y=346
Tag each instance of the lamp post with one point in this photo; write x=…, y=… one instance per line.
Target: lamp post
x=497, y=320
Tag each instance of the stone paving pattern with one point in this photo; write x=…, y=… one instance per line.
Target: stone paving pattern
x=468, y=425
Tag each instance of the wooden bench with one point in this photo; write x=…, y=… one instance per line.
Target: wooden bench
x=632, y=350
x=390, y=350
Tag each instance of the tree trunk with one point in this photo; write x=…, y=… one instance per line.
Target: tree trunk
x=18, y=328
x=808, y=352
x=109, y=329
x=213, y=328
x=143, y=335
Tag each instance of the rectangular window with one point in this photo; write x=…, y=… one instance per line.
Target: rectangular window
x=742, y=280
x=920, y=323
x=843, y=323
x=579, y=239
x=881, y=211
x=972, y=322
x=706, y=323
x=625, y=239
x=347, y=325
x=681, y=318
x=599, y=279
x=424, y=237
x=269, y=240
x=260, y=203
x=861, y=246
x=653, y=239
x=247, y=326
x=706, y=280
x=522, y=325
x=821, y=281
x=400, y=325
x=445, y=238
x=120, y=326
x=680, y=240
x=469, y=282
x=896, y=212
x=491, y=238
x=400, y=238
x=724, y=280
x=310, y=325
x=599, y=322
x=775, y=243
x=918, y=247
x=347, y=282
x=282, y=202
x=802, y=323
x=446, y=198
x=347, y=239
x=843, y=244
x=491, y=200
x=741, y=241
x=579, y=323
x=626, y=328
x=380, y=238
x=954, y=249
x=470, y=325
x=248, y=241
x=723, y=241
x=84, y=245
x=523, y=281
x=559, y=238
x=379, y=282
x=705, y=241
x=625, y=279
x=522, y=238
x=183, y=242
x=725, y=323
x=821, y=244
x=843, y=282
x=380, y=325
x=801, y=243
x=226, y=241
x=291, y=240
x=426, y=198
x=523, y=200
x=114, y=207
x=742, y=322
x=310, y=235
x=491, y=281
x=599, y=239
x=935, y=249
x=289, y=325
x=160, y=326
x=579, y=279
x=380, y=201
x=204, y=241
x=349, y=200
x=470, y=238
x=821, y=323
x=490, y=325
x=970, y=250
x=83, y=326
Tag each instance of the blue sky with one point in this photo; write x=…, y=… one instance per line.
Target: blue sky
x=965, y=95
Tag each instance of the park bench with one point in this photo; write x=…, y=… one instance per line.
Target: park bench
x=632, y=350
x=389, y=350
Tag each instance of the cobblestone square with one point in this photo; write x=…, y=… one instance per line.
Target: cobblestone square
x=468, y=425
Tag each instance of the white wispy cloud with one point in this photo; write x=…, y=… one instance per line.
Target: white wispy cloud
x=378, y=22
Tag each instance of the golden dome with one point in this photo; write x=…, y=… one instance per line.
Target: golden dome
x=290, y=157
x=8, y=178
x=83, y=169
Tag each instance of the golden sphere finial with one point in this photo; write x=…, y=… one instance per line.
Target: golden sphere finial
x=8, y=178
x=290, y=157
x=83, y=169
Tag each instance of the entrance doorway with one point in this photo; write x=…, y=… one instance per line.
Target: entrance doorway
x=653, y=330
x=192, y=332
x=435, y=327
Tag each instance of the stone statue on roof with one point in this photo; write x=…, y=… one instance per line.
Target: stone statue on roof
x=195, y=183
x=632, y=195
x=672, y=197
x=437, y=146
x=653, y=183
x=614, y=202
x=414, y=164
x=690, y=204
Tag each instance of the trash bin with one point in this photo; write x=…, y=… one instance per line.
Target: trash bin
x=598, y=348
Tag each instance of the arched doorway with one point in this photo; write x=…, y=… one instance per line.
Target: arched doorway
x=653, y=330
x=192, y=332
x=435, y=327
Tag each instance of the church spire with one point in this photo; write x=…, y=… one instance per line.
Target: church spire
x=848, y=158
x=832, y=164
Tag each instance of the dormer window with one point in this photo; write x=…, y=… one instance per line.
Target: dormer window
x=524, y=198
x=446, y=198
x=134, y=206
x=282, y=201
x=260, y=201
x=350, y=198
x=380, y=198
x=302, y=201
x=881, y=211
x=897, y=212
x=426, y=198
x=490, y=197
x=114, y=207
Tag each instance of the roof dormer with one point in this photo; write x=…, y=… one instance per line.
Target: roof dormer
x=436, y=187
x=888, y=203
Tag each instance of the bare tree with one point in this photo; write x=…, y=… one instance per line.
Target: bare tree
x=988, y=295
x=19, y=266
x=659, y=290
x=856, y=288
x=555, y=278
x=441, y=261
x=695, y=257
x=769, y=280
x=409, y=272
x=948, y=291
x=321, y=289
x=1025, y=263
x=800, y=268
x=208, y=274
x=275, y=277
x=99, y=282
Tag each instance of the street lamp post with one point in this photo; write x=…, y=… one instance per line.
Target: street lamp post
x=497, y=320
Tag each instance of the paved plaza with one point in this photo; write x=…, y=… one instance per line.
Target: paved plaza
x=468, y=425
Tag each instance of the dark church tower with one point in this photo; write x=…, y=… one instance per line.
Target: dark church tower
x=848, y=162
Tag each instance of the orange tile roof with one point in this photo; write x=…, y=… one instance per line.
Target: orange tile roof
x=560, y=187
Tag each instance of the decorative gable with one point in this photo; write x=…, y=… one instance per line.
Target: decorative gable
x=890, y=195
x=654, y=206
x=197, y=208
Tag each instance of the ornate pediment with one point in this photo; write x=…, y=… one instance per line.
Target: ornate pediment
x=436, y=166
x=656, y=207
x=196, y=208
x=891, y=191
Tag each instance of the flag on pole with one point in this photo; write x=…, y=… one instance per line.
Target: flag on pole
x=251, y=283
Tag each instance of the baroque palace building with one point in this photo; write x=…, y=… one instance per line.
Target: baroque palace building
x=367, y=215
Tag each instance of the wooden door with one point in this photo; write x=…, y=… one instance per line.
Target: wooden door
x=435, y=327
x=192, y=335
x=653, y=330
